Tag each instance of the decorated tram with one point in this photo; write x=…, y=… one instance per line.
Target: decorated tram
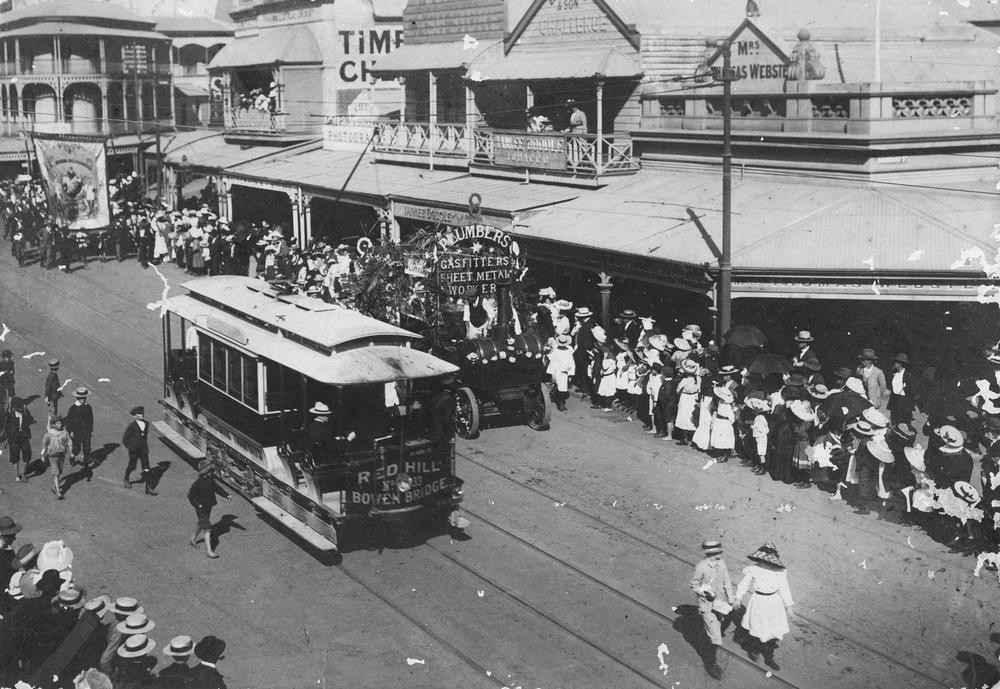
x=251, y=368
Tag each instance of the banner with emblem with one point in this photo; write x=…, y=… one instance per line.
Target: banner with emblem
x=74, y=172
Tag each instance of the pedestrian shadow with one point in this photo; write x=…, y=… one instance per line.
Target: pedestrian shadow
x=29, y=399
x=101, y=454
x=978, y=672
x=690, y=626
x=226, y=524
x=36, y=467
x=156, y=473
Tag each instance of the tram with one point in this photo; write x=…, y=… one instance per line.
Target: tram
x=248, y=365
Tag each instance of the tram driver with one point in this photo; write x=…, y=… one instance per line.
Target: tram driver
x=321, y=437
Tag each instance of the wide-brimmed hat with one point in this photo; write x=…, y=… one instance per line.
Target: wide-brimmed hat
x=81, y=392
x=795, y=380
x=563, y=304
x=599, y=335
x=711, y=547
x=659, y=342
x=692, y=328
x=724, y=394
x=180, y=647
x=818, y=391
x=804, y=336
x=875, y=418
x=855, y=385
x=812, y=364
x=210, y=649
x=768, y=555
x=136, y=645
x=627, y=313
x=905, y=431
x=966, y=491
x=98, y=605
x=915, y=456
x=951, y=436
x=689, y=366
x=728, y=370
x=53, y=363
x=547, y=292
x=902, y=358
x=71, y=598
x=584, y=312
x=802, y=409
x=8, y=527
x=25, y=554
x=564, y=340
x=136, y=623
x=843, y=372
x=757, y=404
x=19, y=581
x=867, y=353
x=682, y=344
x=861, y=427
x=125, y=605
x=320, y=409
x=205, y=466
x=880, y=451
x=55, y=555
x=137, y=410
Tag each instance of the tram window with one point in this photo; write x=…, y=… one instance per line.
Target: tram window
x=204, y=358
x=235, y=378
x=249, y=382
x=218, y=366
x=273, y=399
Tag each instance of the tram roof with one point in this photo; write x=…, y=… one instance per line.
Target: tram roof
x=311, y=321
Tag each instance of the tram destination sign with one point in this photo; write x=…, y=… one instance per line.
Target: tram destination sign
x=531, y=151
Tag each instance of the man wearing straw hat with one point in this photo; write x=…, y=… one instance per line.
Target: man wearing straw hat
x=583, y=350
x=123, y=607
x=177, y=675
x=79, y=422
x=714, y=588
x=133, y=667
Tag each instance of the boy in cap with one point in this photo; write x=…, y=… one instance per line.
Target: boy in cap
x=714, y=589
x=79, y=421
x=177, y=675
x=52, y=391
x=136, y=441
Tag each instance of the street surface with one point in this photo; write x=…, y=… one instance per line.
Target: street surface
x=573, y=572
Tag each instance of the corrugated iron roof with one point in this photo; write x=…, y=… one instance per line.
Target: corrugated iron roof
x=284, y=44
x=576, y=63
x=212, y=151
x=70, y=29
x=428, y=56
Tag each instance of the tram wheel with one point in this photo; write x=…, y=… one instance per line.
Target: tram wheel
x=466, y=414
x=539, y=405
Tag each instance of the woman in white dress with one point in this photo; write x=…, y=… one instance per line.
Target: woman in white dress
x=723, y=418
x=688, y=390
x=766, y=616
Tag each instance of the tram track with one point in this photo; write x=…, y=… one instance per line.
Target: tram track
x=361, y=578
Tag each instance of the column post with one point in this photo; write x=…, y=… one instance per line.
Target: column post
x=605, y=287
x=307, y=232
x=432, y=96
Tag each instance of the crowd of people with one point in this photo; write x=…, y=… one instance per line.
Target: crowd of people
x=874, y=439
x=52, y=636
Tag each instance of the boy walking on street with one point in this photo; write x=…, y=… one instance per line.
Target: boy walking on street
x=714, y=588
x=80, y=424
x=202, y=498
x=52, y=391
x=56, y=444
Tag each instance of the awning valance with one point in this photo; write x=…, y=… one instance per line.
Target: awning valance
x=284, y=45
x=434, y=56
x=562, y=64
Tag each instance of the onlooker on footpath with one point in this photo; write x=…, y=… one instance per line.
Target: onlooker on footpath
x=873, y=378
x=177, y=675
x=56, y=444
x=712, y=585
x=123, y=607
x=8, y=534
x=52, y=391
x=79, y=422
x=133, y=666
x=136, y=441
x=201, y=495
x=18, y=433
x=205, y=675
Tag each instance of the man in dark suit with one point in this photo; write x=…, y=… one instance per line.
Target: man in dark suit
x=79, y=421
x=17, y=430
x=52, y=391
x=631, y=327
x=902, y=390
x=136, y=441
x=204, y=675
x=584, y=344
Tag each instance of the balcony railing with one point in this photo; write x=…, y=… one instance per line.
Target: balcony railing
x=421, y=139
x=252, y=120
x=576, y=155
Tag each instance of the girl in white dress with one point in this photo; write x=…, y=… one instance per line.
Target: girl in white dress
x=687, y=400
x=766, y=616
x=723, y=431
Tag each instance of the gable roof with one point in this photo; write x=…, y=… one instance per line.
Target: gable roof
x=628, y=31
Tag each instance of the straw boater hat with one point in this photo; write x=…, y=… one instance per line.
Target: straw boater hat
x=802, y=409
x=915, y=456
x=993, y=356
x=728, y=370
x=712, y=547
x=659, y=342
x=880, y=451
x=952, y=438
x=875, y=418
x=767, y=554
x=205, y=466
x=53, y=363
x=564, y=340
x=861, y=427
x=126, y=605
x=966, y=491
x=627, y=313
x=26, y=553
x=180, y=647
x=320, y=409
x=136, y=623
x=8, y=527
x=682, y=344
x=724, y=394
x=135, y=646
x=584, y=312
x=818, y=391
x=599, y=335
x=904, y=431
x=99, y=605
x=81, y=392
x=855, y=385
x=71, y=598
x=563, y=305
x=689, y=366
x=804, y=336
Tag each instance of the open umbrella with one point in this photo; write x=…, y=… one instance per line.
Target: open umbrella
x=765, y=364
x=744, y=336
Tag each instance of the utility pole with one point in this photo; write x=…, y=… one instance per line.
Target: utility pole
x=159, y=161
x=725, y=262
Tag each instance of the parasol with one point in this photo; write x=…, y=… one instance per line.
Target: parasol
x=744, y=336
x=764, y=364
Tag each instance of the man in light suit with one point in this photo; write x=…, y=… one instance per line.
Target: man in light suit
x=873, y=378
x=714, y=588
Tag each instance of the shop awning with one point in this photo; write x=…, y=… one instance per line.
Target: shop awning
x=435, y=56
x=211, y=152
x=67, y=29
x=562, y=64
x=191, y=90
x=283, y=45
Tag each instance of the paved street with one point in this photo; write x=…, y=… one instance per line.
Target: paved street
x=574, y=571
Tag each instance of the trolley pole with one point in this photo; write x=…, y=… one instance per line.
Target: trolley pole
x=725, y=262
